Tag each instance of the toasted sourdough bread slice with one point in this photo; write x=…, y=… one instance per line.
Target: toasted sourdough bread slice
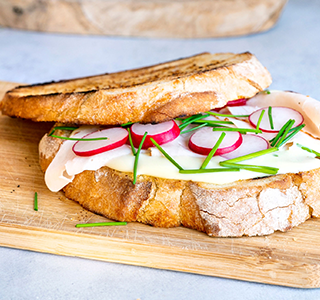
x=147, y=95
x=247, y=207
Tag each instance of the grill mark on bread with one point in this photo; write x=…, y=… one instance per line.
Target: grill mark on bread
x=146, y=95
x=152, y=75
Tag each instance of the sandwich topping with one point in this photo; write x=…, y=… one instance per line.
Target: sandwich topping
x=272, y=133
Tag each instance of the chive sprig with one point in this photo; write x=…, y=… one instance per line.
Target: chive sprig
x=194, y=128
x=253, y=168
x=282, y=137
x=62, y=128
x=212, y=170
x=166, y=154
x=101, y=224
x=226, y=115
x=293, y=131
x=309, y=150
x=71, y=138
x=213, y=151
x=270, y=117
x=35, y=201
x=191, y=119
x=234, y=162
x=241, y=130
x=126, y=124
x=251, y=155
x=134, y=152
x=260, y=119
x=78, y=139
x=136, y=158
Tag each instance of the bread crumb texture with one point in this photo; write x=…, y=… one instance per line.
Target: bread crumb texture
x=243, y=208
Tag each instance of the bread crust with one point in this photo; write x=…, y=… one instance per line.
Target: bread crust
x=147, y=95
x=244, y=208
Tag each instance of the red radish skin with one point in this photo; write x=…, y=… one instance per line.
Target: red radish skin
x=117, y=137
x=204, y=140
x=237, y=102
x=280, y=116
x=162, y=133
x=250, y=143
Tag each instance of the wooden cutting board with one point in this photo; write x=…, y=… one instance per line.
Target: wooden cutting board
x=152, y=18
x=289, y=259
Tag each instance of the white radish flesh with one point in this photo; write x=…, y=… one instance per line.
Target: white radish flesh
x=204, y=140
x=280, y=115
x=307, y=106
x=116, y=137
x=250, y=144
x=162, y=133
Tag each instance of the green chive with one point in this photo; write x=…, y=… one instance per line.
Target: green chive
x=78, y=139
x=191, y=119
x=194, y=128
x=253, y=168
x=101, y=224
x=62, y=128
x=309, y=150
x=212, y=122
x=166, y=154
x=179, y=119
x=294, y=132
x=292, y=129
x=241, y=130
x=278, y=136
x=136, y=159
x=251, y=155
x=283, y=136
x=224, y=115
x=260, y=119
x=270, y=117
x=209, y=124
x=126, y=124
x=265, y=92
x=35, y=202
x=131, y=143
x=213, y=151
x=214, y=170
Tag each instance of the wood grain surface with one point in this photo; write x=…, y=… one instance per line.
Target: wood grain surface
x=153, y=18
x=289, y=259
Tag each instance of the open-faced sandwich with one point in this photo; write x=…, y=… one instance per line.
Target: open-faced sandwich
x=196, y=142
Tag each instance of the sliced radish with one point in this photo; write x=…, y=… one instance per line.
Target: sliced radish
x=237, y=102
x=117, y=137
x=162, y=133
x=280, y=116
x=204, y=139
x=250, y=143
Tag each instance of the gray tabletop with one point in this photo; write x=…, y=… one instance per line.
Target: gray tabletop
x=290, y=51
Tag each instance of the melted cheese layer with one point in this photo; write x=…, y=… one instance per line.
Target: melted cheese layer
x=289, y=159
